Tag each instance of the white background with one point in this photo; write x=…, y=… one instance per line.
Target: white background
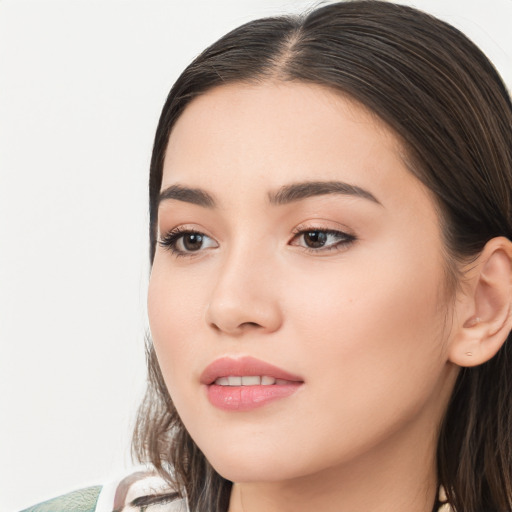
x=81, y=86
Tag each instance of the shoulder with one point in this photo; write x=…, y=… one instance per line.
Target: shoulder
x=83, y=500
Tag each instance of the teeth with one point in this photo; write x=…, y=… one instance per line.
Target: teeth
x=251, y=380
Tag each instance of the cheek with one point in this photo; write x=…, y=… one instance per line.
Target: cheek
x=174, y=315
x=365, y=341
x=369, y=334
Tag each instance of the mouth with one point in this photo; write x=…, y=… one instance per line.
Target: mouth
x=246, y=383
x=250, y=380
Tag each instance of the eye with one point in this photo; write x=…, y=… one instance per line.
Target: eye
x=182, y=242
x=322, y=240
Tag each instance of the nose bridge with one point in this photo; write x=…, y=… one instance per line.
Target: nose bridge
x=243, y=296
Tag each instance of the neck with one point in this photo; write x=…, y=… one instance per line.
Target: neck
x=393, y=477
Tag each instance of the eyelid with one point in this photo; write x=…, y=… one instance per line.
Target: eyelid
x=172, y=237
x=170, y=240
x=346, y=237
x=322, y=225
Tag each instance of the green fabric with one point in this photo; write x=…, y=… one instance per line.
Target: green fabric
x=83, y=500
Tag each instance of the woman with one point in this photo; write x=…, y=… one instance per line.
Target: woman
x=330, y=292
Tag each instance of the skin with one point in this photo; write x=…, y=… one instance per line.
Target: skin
x=366, y=323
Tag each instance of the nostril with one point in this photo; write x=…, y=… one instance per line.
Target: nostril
x=248, y=326
x=233, y=329
x=251, y=324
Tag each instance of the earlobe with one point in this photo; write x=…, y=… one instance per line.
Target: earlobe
x=485, y=317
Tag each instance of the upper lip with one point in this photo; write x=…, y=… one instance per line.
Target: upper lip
x=244, y=366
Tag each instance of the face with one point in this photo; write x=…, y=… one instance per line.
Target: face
x=296, y=296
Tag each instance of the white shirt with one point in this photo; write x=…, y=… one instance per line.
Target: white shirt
x=132, y=486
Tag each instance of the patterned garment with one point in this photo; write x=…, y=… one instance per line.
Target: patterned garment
x=120, y=496
x=83, y=500
x=123, y=495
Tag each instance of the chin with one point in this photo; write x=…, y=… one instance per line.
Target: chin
x=256, y=464
x=248, y=472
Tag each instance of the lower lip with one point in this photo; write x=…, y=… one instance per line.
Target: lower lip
x=247, y=398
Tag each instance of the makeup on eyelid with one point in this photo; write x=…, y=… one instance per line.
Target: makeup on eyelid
x=321, y=234
x=180, y=241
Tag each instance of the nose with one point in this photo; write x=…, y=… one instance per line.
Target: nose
x=244, y=298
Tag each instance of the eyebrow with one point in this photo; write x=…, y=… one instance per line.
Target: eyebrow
x=188, y=195
x=285, y=195
x=298, y=191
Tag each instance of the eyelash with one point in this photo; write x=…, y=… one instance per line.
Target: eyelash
x=345, y=239
x=172, y=238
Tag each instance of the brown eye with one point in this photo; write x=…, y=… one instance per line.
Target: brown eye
x=181, y=242
x=322, y=240
x=315, y=239
x=192, y=241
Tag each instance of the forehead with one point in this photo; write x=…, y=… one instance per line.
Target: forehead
x=254, y=125
x=241, y=142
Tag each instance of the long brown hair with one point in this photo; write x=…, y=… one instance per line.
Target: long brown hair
x=452, y=112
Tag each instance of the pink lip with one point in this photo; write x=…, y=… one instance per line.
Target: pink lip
x=244, y=366
x=246, y=398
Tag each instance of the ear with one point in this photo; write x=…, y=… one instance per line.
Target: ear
x=483, y=310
